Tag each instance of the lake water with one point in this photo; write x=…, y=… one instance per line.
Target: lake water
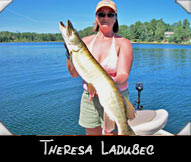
x=38, y=96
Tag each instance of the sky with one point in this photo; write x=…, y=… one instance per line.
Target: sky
x=43, y=16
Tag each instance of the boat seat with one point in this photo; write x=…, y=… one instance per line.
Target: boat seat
x=148, y=122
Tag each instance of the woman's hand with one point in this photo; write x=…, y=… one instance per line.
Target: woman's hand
x=92, y=91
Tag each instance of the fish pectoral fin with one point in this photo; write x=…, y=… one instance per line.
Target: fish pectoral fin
x=109, y=124
x=130, y=110
x=91, y=90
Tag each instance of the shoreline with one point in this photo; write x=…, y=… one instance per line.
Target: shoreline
x=162, y=43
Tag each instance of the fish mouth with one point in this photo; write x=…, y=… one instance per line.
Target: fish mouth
x=70, y=37
x=66, y=30
x=65, y=34
x=62, y=25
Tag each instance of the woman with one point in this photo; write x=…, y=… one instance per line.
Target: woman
x=115, y=55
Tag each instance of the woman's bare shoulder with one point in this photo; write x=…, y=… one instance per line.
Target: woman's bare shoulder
x=88, y=39
x=122, y=41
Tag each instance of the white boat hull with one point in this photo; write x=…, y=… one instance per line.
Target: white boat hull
x=4, y=130
x=186, y=130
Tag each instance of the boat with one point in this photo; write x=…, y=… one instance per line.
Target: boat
x=146, y=122
x=186, y=130
x=152, y=122
x=4, y=130
x=149, y=122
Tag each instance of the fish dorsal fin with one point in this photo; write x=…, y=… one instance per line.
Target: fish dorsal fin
x=109, y=124
x=130, y=110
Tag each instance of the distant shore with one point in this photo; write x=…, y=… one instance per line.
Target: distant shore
x=153, y=32
x=160, y=43
x=130, y=41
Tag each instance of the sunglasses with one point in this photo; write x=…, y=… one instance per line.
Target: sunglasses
x=103, y=14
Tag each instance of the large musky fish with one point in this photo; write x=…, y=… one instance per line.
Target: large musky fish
x=90, y=70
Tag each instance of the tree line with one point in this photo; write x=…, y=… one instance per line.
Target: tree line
x=153, y=31
x=6, y=36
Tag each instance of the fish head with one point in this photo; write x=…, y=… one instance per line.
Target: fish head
x=71, y=37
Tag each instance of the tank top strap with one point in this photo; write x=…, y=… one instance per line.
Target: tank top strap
x=113, y=46
x=92, y=43
x=113, y=42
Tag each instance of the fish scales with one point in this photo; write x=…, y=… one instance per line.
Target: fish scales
x=91, y=71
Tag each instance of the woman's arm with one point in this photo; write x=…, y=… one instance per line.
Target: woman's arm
x=125, y=60
x=71, y=68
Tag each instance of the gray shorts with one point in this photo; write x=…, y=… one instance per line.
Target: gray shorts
x=91, y=113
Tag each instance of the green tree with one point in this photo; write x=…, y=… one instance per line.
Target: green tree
x=139, y=31
x=178, y=36
x=187, y=30
x=159, y=32
x=132, y=32
x=87, y=31
x=124, y=31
